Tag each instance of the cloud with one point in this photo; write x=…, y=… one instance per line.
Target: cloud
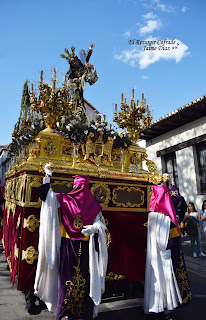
x=149, y=15
x=127, y=34
x=144, y=58
x=145, y=77
x=151, y=25
x=184, y=9
x=157, y=4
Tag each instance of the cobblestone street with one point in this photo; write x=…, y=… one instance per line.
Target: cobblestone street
x=12, y=302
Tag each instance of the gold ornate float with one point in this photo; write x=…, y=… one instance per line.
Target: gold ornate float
x=54, y=129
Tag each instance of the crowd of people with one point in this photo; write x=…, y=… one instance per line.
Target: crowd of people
x=191, y=222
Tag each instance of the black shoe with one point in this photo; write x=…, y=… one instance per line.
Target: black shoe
x=31, y=308
x=42, y=305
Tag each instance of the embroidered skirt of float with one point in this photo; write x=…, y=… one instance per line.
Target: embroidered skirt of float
x=73, y=281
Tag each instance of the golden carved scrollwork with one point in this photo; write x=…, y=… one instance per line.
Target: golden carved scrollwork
x=108, y=235
x=127, y=204
x=20, y=186
x=9, y=262
x=30, y=255
x=145, y=224
x=16, y=251
x=14, y=189
x=101, y=193
x=108, y=238
x=34, y=150
x=75, y=291
x=112, y=276
x=18, y=222
x=67, y=150
x=98, y=151
x=31, y=223
x=10, y=207
x=154, y=176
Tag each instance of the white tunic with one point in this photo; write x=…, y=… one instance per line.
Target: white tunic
x=97, y=260
x=161, y=288
x=46, y=281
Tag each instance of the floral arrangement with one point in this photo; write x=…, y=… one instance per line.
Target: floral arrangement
x=24, y=138
x=74, y=130
x=77, y=131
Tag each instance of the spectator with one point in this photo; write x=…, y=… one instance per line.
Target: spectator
x=191, y=216
x=203, y=216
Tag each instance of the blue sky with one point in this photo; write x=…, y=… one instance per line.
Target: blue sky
x=35, y=33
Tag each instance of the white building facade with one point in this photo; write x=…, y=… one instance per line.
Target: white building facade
x=177, y=144
x=4, y=162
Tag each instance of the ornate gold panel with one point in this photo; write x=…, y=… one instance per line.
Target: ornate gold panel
x=50, y=148
x=61, y=186
x=128, y=197
x=32, y=181
x=101, y=193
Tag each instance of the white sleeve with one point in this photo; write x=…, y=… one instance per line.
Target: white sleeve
x=162, y=230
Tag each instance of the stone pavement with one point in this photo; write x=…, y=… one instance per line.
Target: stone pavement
x=12, y=302
x=197, y=264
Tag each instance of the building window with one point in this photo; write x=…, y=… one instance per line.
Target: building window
x=201, y=159
x=170, y=165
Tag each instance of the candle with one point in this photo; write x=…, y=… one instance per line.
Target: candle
x=32, y=88
x=41, y=76
x=133, y=94
x=54, y=74
x=122, y=97
x=54, y=80
x=115, y=107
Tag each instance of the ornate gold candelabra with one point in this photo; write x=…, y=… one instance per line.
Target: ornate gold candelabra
x=134, y=117
x=52, y=102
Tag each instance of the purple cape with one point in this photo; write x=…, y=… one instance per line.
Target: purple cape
x=79, y=207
